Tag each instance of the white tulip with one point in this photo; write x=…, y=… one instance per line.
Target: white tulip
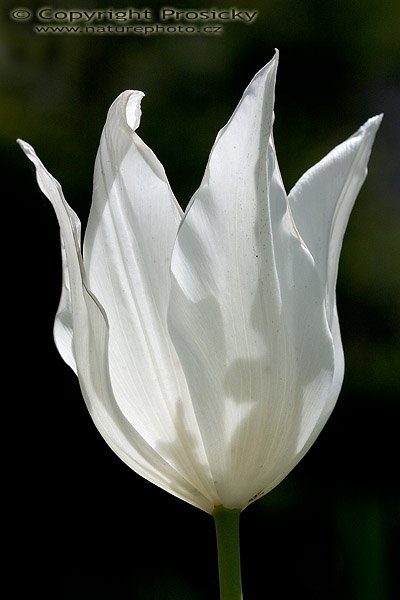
x=207, y=343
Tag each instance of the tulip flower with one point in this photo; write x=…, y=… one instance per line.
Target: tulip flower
x=207, y=343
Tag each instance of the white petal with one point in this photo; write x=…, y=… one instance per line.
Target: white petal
x=322, y=199
x=89, y=347
x=247, y=312
x=63, y=323
x=128, y=244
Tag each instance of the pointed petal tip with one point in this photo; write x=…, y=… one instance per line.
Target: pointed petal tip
x=273, y=63
x=30, y=153
x=375, y=121
x=275, y=60
x=133, y=99
x=371, y=126
x=267, y=73
x=368, y=130
x=27, y=148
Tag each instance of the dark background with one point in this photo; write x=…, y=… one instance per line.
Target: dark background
x=83, y=526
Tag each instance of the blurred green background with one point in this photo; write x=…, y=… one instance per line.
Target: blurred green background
x=89, y=528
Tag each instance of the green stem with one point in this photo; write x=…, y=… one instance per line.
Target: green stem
x=227, y=529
